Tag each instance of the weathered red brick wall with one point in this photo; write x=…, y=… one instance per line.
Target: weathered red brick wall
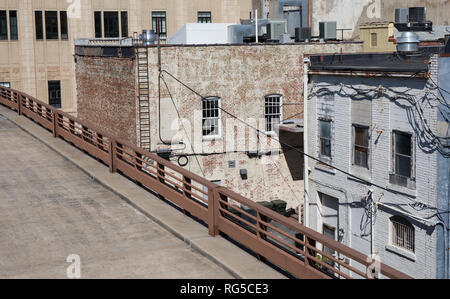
x=106, y=89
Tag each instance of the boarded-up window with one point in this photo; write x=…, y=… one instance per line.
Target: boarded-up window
x=361, y=111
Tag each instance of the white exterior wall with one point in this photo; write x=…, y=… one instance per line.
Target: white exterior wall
x=386, y=116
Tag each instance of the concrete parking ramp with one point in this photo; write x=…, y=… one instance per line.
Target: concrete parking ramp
x=53, y=205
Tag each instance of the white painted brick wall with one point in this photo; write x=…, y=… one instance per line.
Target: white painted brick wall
x=386, y=116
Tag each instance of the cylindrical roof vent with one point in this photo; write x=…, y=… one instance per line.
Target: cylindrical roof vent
x=408, y=42
x=148, y=37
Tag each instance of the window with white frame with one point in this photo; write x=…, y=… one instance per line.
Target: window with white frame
x=272, y=112
x=325, y=138
x=402, y=233
x=5, y=84
x=211, y=117
x=402, y=154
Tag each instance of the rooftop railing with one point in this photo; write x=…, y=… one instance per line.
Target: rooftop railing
x=302, y=252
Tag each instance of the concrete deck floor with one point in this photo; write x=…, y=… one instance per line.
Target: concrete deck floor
x=50, y=209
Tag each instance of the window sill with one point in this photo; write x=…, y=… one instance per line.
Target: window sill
x=211, y=138
x=324, y=168
x=402, y=252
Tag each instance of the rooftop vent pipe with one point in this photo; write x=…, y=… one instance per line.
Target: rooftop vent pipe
x=408, y=43
x=148, y=37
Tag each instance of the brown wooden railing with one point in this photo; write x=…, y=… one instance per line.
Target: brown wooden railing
x=284, y=242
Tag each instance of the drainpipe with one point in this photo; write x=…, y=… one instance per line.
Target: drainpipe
x=372, y=223
x=305, y=143
x=256, y=24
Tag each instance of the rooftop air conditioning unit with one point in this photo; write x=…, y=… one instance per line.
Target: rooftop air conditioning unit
x=418, y=14
x=302, y=34
x=327, y=30
x=401, y=15
x=276, y=28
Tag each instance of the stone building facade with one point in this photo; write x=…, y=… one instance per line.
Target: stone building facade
x=36, y=51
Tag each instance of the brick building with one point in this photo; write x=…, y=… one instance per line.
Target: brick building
x=260, y=84
x=379, y=178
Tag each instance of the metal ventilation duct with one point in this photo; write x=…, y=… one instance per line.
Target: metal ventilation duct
x=408, y=42
x=148, y=37
x=236, y=33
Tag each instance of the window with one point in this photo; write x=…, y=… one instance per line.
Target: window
x=124, y=23
x=373, y=40
x=38, y=24
x=329, y=232
x=402, y=233
x=159, y=21
x=211, y=117
x=325, y=138
x=63, y=23
x=54, y=93
x=14, y=35
x=272, y=112
x=402, y=154
x=5, y=84
x=51, y=25
x=98, y=24
x=111, y=24
x=3, y=25
x=361, y=146
x=204, y=17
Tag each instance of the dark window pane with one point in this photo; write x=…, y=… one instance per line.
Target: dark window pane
x=98, y=24
x=38, y=24
x=111, y=24
x=403, y=144
x=361, y=146
x=325, y=138
x=362, y=137
x=361, y=157
x=51, y=25
x=54, y=93
x=63, y=21
x=159, y=22
x=3, y=25
x=325, y=147
x=124, y=21
x=204, y=17
x=14, y=35
x=403, y=165
x=325, y=129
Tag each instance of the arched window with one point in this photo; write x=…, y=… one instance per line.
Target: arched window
x=402, y=233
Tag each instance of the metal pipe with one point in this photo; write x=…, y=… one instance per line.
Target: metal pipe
x=256, y=24
x=305, y=143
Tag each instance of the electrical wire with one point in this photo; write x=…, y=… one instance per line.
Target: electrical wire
x=358, y=92
x=184, y=128
x=282, y=143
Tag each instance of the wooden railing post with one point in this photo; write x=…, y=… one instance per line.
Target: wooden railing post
x=161, y=172
x=309, y=253
x=213, y=211
x=112, y=160
x=19, y=104
x=54, y=121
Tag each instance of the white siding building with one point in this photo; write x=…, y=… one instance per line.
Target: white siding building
x=373, y=137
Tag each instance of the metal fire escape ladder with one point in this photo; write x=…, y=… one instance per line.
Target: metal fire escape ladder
x=144, y=97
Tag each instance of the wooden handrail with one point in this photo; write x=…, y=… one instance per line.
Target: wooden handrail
x=216, y=214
